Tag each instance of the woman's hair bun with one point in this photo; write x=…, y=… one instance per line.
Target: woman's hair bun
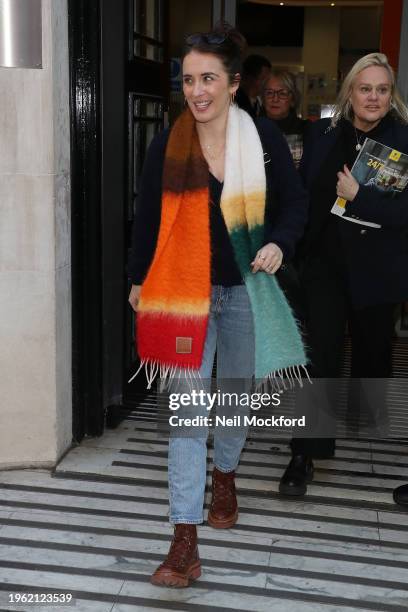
x=226, y=29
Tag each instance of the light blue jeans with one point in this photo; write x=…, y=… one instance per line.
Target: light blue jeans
x=230, y=333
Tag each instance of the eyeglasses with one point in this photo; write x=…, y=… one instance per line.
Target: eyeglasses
x=210, y=38
x=282, y=94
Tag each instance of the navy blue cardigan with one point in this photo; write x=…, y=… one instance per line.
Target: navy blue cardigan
x=378, y=258
x=286, y=201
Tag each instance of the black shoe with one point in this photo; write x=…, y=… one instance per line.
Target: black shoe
x=401, y=495
x=298, y=473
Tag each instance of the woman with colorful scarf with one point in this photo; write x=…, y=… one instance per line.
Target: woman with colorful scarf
x=220, y=208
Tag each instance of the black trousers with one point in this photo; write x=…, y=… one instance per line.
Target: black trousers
x=328, y=310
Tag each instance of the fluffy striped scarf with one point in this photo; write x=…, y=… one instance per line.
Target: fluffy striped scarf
x=174, y=303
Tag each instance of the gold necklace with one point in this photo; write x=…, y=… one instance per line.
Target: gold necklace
x=211, y=155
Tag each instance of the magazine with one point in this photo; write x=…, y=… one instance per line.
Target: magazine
x=379, y=167
x=295, y=144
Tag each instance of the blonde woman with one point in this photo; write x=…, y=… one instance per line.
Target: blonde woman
x=351, y=273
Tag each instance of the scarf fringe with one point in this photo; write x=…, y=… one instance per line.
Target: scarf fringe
x=285, y=379
x=278, y=381
x=167, y=374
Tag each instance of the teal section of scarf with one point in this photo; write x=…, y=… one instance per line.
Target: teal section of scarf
x=278, y=341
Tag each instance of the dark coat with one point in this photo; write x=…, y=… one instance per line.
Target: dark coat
x=377, y=259
x=245, y=103
x=286, y=202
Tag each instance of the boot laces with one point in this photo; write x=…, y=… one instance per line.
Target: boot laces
x=180, y=550
x=223, y=491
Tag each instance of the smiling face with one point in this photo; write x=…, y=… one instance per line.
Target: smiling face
x=370, y=97
x=206, y=86
x=277, y=99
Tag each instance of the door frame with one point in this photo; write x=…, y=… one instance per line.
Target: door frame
x=84, y=20
x=101, y=76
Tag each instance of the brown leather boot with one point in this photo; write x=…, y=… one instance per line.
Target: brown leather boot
x=182, y=562
x=223, y=512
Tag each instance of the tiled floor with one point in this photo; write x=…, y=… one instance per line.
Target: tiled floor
x=98, y=527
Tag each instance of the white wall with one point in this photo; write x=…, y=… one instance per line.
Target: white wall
x=35, y=289
x=321, y=52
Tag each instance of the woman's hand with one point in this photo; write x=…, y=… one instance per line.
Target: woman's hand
x=134, y=296
x=268, y=259
x=347, y=186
